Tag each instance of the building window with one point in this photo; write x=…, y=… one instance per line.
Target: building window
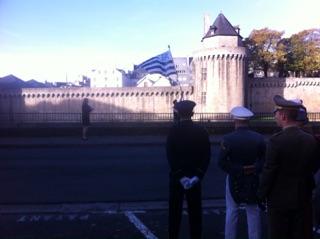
x=203, y=98
x=204, y=73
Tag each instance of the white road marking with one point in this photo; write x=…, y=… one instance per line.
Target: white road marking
x=138, y=211
x=35, y=218
x=84, y=217
x=205, y=212
x=47, y=217
x=140, y=226
x=72, y=217
x=216, y=211
x=22, y=219
x=110, y=212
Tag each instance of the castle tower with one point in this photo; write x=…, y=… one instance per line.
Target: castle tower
x=219, y=68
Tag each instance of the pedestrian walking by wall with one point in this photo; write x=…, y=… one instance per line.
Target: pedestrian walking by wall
x=86, y=110
x=241, y=156
x=188, y=154
x=287, y=178
x=175, y=113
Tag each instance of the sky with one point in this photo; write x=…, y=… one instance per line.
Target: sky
x=55, y=40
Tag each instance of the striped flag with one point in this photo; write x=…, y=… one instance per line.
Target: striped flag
x=162, y=64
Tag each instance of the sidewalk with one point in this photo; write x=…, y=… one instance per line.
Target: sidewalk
x=71, y=141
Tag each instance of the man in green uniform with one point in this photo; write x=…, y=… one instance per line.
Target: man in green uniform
x=287, y=176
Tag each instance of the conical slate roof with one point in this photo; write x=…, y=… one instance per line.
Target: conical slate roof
x=221, y=27
x=11, y=82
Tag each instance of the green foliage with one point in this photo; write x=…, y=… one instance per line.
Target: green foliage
x=262, y=45
x=298, y=55
x=304, y=53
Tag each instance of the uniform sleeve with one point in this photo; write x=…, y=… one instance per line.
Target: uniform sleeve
x=269, y=171
x=261, y=156
x=316, y=164
x=205, y=157
x=225, y=163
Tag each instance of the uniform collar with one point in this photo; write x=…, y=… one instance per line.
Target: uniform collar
x=290, y=127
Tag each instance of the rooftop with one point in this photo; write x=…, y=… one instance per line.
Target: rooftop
x=221, y=27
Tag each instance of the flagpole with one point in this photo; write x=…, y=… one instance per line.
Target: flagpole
x=181, y=95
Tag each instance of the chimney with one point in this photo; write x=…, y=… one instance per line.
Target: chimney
x=206, y=25
x=237, y=28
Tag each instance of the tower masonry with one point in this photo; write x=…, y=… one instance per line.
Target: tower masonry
x=219, y=68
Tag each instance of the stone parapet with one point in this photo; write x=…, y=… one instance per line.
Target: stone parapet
x=129, y=99
x=261, y=92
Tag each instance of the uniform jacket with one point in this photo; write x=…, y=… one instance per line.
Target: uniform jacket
x=287, y=177
x=188, y=150
x=239, y=148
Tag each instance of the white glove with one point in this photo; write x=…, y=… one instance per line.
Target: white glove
x=185, y=182
x=193, y=181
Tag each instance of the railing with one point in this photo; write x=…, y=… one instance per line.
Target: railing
x=15, y=118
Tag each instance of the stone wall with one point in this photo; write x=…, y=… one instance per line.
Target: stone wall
x=260, y=92
x=103, y=100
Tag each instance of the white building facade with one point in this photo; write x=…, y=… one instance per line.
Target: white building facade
x=107, y=77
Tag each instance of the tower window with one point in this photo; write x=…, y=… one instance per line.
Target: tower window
x=203, y=98
x=204, y=73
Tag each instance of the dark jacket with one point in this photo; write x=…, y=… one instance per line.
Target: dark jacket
x=287, y=177
x=188, y=150
x=241, y=148
x=86, y=109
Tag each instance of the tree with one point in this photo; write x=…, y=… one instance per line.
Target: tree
x=281, y=56
x=263, y=45
x=304, y=53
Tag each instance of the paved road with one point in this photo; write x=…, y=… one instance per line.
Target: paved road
x=102, y=173
x=151, y=224
x=113, y=224
x=51, y=171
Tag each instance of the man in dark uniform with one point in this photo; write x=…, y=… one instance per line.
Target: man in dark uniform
x=175, y=113
x=188, y=154
x=241, y=156
x=287, y=177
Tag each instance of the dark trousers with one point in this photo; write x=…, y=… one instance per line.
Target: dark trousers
x=316, y=207
x=290, y=224
x=176, y=196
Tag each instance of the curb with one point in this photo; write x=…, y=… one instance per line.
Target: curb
x=84, y=144
x=95, y=208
